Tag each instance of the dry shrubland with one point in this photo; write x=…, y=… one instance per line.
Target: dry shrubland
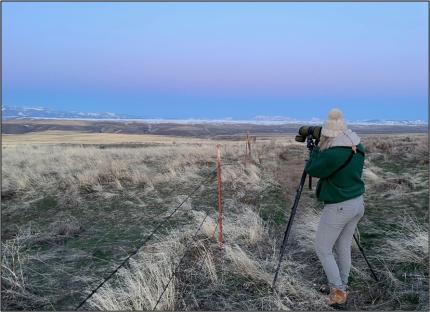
x=72, y=213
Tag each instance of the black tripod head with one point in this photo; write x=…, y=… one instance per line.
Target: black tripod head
x=311, y=142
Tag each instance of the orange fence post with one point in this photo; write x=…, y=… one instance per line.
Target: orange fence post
x=246, y=151
x=218, y=167
x=248, y=138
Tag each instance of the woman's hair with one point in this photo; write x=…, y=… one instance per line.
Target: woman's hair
x=325, y=142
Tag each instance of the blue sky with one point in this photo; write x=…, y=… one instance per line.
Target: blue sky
x=216, y=60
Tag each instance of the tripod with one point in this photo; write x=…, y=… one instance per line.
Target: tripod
x=310, y=145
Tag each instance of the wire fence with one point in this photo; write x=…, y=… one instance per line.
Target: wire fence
x=179, y=263
x=209, y=177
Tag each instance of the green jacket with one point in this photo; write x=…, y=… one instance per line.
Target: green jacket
x=344, y=184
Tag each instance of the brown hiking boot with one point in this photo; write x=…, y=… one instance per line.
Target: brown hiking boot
x=337, y=296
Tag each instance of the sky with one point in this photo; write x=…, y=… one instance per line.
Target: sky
x=218, y=60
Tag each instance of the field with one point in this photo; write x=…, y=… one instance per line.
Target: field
x=75, y=204
x=200, y=130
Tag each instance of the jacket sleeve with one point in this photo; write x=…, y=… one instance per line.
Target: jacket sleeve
x=322, y=163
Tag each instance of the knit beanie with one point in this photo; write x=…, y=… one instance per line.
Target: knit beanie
x=334, y=124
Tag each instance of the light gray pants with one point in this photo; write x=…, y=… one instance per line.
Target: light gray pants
x=335, y=229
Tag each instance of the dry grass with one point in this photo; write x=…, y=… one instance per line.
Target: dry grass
x=91, y=206
x=244, y=265
x=68, y=137
x=140, y=286
x=150, y=282
x=89, y=169
x=411, y=148
x=408, y=249
x=17, y=290
x=207, y=262
x=411, y=246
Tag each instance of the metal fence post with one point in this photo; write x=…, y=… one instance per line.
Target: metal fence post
x=218, y=160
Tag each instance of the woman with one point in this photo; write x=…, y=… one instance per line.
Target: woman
x=338, y=162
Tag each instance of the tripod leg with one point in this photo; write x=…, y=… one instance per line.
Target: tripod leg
x=290, y=223
x=310, y=182
x=364, y=256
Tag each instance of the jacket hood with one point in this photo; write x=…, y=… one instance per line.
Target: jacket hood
x=346, y=138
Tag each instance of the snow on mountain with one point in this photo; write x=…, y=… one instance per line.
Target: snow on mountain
x=388, y=122
x=9, y=112
x=275, y=118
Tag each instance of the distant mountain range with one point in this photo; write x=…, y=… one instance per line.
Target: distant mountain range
x=10, y=112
